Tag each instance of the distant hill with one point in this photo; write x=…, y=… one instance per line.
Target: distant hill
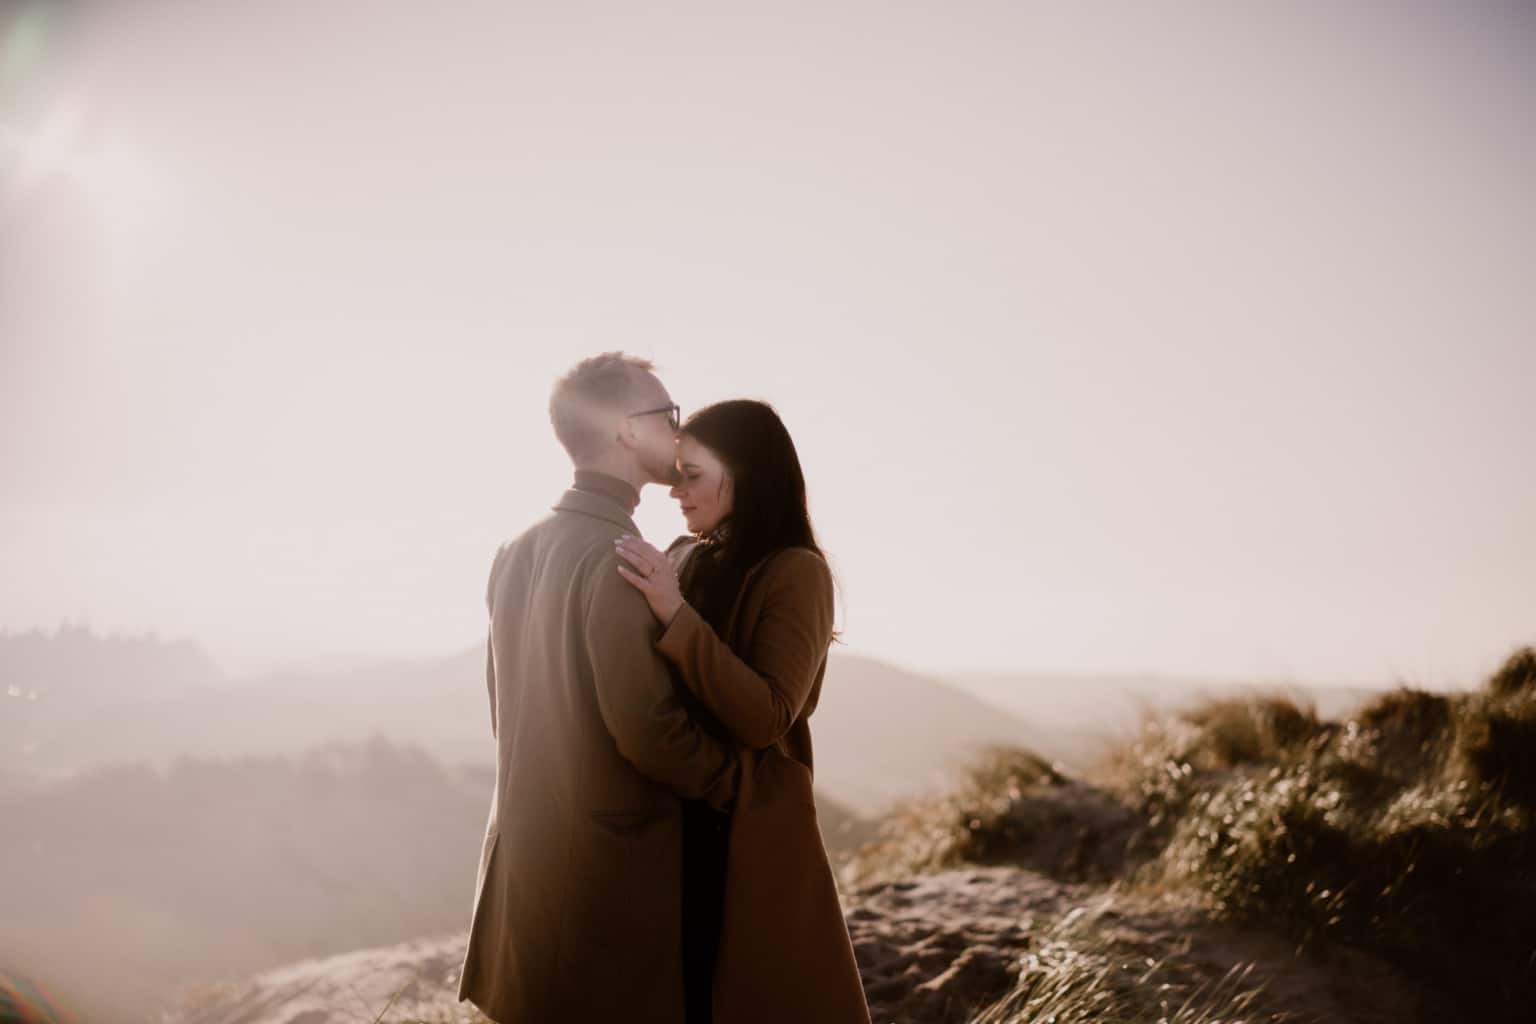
x=122, y=881
x=881, y=733
x=436, y=704
x=50, y=679
x=87, y=669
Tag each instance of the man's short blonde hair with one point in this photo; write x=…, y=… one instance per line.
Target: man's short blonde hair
x=589, y=397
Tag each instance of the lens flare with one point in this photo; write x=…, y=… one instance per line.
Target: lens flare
x=23, y=1001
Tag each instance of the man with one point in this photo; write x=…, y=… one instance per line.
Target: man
x=577, y=903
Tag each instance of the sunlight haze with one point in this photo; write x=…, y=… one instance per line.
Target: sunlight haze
x=1110, y=341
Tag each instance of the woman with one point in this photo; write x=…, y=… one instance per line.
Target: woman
x=746, y=604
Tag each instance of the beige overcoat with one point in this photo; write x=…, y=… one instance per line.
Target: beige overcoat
x=578, y=893
x=785, y=953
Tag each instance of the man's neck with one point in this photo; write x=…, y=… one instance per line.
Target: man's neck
x=619, y=483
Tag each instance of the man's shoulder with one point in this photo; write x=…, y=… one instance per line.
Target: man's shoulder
x=556, y=541
x=574, y=556
x=559, y=524
x=528, y=538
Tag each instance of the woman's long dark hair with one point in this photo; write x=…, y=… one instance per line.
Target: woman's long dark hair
x=768, y=506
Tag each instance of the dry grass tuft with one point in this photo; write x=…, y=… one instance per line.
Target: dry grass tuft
x=1072, y=978
x=1517, y=676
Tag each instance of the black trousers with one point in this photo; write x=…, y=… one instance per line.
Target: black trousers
x=705, y=831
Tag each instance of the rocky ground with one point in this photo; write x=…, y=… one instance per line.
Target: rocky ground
x=934, y=949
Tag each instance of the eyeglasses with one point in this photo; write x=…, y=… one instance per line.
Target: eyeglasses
x=674, y=414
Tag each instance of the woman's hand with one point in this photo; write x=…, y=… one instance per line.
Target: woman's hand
x=650, y=573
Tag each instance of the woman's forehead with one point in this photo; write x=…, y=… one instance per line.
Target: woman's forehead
x=689, y=450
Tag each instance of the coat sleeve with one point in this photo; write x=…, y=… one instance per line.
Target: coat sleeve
x=638, y=702
x=758, y=694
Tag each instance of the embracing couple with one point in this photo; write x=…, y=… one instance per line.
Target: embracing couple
x=652, y=852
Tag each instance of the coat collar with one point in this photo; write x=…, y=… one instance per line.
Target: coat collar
x=609, y=486
x=597, y=505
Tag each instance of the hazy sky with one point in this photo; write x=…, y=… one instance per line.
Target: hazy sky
x=1179, y=338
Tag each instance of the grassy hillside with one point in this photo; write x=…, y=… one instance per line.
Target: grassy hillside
x=1402, y=832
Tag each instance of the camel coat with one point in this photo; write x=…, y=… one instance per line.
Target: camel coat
x=784, y=954
x=576, y=911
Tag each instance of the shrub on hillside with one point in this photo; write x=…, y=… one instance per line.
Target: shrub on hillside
x=1238, y=731
x=1379, y=837
x=1012, y=807
x=1498, y=740
x=1409, y=731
